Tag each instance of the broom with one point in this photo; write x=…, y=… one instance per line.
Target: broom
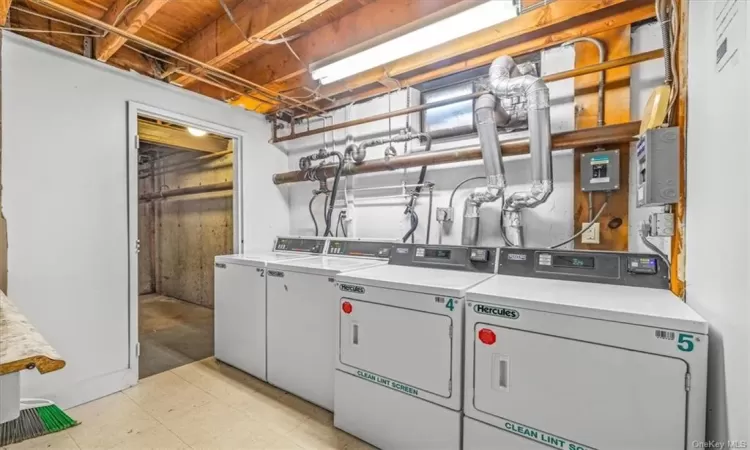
x=37, y=418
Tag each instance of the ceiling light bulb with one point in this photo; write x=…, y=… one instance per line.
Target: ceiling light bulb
x=196, y=132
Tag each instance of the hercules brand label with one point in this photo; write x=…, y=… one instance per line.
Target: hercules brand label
x=392, y=384
x=497, y=311
x=516, y=257
x=352, y=288
x=276, y=273
x=542, y=437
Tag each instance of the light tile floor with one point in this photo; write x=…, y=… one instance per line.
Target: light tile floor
x=203, y=405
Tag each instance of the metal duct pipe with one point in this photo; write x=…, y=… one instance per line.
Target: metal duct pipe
x=359, y=152
x=493, y=167
x=504, y=84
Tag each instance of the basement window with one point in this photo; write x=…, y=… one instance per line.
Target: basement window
x=457, y=119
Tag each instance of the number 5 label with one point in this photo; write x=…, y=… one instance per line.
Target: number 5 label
x=685, y=342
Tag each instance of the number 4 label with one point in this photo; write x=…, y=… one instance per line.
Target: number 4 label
x=449, y=305
x=685, y=342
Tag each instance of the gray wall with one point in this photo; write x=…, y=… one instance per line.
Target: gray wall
x=65, y=198
x=187, y=232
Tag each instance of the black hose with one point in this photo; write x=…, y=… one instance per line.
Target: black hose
x=414, y=223
x=332, y=199
x=312, y=215
x=417, y=191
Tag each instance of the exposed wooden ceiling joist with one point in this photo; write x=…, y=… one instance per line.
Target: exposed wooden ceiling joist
x=132, y=22
x=276, y=67
x=4, y=11
x=177, y=137
x=542, y=21
x=638, y=14
x=221, y=42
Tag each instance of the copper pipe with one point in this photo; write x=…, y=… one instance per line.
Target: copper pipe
x=587, y=137
x=626, y=61
x=225, y=186
x=174, y=54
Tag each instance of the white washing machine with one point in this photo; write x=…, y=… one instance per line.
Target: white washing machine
x=400, y=346
x=240, y=301
x=580, y=351
x=302, y=316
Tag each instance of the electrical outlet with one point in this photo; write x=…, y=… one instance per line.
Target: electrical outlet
x=591, y=236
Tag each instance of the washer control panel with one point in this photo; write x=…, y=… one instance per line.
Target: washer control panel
x=300, y=244
x=628, y=269
x=364, y=249
x=453, y=257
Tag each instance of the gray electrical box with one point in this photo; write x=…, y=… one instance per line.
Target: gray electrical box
x=657, y=156
x=600, y=171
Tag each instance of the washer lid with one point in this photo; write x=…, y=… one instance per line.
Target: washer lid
x=260, y=259
x=626, y=304
x=453, y=283
x=325, y=265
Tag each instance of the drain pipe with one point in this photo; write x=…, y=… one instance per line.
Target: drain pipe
x=540, y=135
x=493, y=167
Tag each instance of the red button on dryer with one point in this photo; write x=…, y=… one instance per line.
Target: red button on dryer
x=487, y=336
x=346, y=307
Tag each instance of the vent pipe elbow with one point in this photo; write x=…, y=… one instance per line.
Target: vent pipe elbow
x=486, y=119
x=504, y=84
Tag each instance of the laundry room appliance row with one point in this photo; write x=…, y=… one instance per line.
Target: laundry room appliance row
x=452, y=347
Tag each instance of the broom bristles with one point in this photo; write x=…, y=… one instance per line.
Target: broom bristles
x=35, y=422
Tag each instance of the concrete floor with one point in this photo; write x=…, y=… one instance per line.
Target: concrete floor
x=172, y=333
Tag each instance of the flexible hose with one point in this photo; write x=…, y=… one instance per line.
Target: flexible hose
x=583, y=230
x=334, y=189
x=507, y=241
x=414, y=223
x=312, y=215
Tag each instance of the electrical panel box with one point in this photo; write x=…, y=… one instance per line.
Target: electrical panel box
x=600, y=171
x=657, y=156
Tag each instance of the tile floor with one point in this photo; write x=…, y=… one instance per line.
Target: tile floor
x=172, y=333
x=202, y=405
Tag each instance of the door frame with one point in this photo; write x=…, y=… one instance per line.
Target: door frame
x=239, y=138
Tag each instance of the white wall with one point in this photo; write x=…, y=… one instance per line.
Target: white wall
x=717, y=213
x=548, y=224
x=64, y=172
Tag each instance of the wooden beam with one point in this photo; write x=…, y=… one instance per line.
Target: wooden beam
x=555, y=17
x=220, y=43
x=4, y=11
x=677, y=251
x=133, y=21
x=587, y=29
x=616, y=111
x=277, y=66
x=176, y=137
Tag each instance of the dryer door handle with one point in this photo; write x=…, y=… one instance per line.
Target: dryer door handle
x=500, y=372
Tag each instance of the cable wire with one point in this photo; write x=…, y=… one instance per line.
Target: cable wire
x=643, y=232
x=312, y=214
x=583, y=230
x=251, y=39
x=450, y=202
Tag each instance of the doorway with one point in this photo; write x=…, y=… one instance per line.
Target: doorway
x=186, y=215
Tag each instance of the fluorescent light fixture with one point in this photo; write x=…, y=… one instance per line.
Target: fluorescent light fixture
x=197, y=132
x=466, y=22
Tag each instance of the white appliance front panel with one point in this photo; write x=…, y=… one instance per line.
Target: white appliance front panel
x=481, y=436
x=553, y=389
x=398, y=345
x=389, y=420
x=240, y=317
x=302, y=335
